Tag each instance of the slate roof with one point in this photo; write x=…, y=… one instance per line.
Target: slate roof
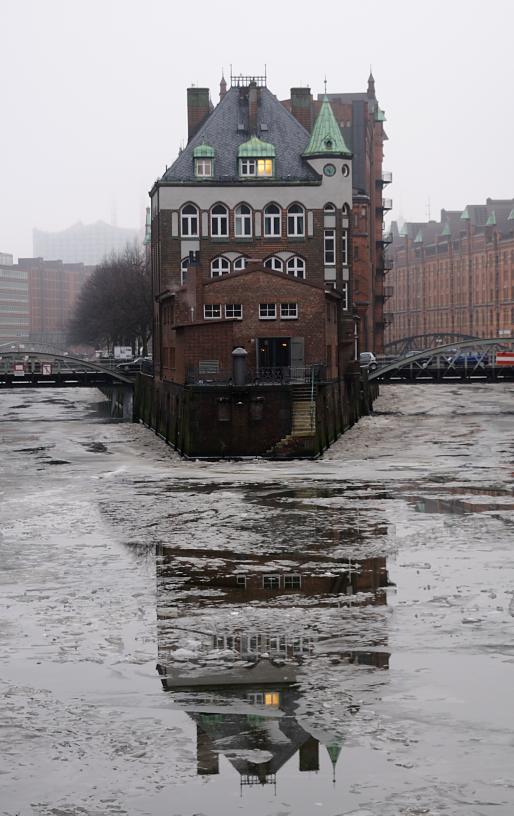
x=222, y=130
x=494, y=213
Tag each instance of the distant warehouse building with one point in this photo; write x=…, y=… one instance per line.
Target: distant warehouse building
x=83, y=243
x=454, y=276
x=14, y=304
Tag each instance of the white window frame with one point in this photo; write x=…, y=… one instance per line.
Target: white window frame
x=209, y=311
x=184, y=264
x=295, y=221
x=296, y=267
x=289, y=311
x=219, y=221
x=329, y=238
x=265, y=168
x=189, y=221
x=274, y=263
x=267, y=311
x=239, y=264
x=220, y=266
x=292, y=581
x=243, y=221
x=272, y=221
x=247, y=167
x=345, y=304
x=344, y=247
x=233, y=308
x=271, y=581
x=203, y=168
x=329, y=208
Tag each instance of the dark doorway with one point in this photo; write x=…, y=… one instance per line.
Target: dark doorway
x=274, y=352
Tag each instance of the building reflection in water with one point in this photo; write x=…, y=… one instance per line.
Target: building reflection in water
x=241, y=669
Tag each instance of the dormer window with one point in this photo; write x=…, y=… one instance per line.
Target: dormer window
x=203, y=157
x=256, y=159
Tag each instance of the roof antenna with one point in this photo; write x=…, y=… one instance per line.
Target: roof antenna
x=325, y=81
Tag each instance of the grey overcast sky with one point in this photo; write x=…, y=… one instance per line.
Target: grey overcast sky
x=93, y=94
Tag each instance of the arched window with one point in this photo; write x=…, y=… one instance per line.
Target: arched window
x=243, y=221
x=295, y=221
x=220, y=266
x=239, y=263
x=296, y=267
x=274, y=263
x=219, y=221
x=184, y=263
x=330, y=208
x=189, y=221
x=346, y=209
x=272, y=218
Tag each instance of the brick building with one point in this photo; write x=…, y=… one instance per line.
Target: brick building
x=37, y=299
x=263, y=209
x=361, y=121
x=455, y=276
x=250, y=247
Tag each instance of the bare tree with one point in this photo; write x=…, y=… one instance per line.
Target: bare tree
x=114, y=306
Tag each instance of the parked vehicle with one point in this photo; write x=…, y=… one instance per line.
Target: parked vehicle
x=367, y=360
x=144, y=364
x=469, y=358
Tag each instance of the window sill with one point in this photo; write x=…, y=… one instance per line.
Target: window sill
x=267, y=318
x=296, y=239
x=289, y=318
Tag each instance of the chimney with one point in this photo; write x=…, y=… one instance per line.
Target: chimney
x=253, y=98
x=301, y=106
x=198, y=109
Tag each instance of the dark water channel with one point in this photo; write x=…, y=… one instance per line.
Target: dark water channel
x=197, y=639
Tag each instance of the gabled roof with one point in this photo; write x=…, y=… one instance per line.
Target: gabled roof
x=227, y=128
x=326, y=137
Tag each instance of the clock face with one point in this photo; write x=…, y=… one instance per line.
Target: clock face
x=329, y=169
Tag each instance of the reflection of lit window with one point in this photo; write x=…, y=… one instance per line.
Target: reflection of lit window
x=292, y=581
x=241, y=580
x=270, y=582
x=272, y=698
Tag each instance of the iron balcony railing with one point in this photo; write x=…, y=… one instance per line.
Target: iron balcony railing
x=387, y=203
x=388, y=292
x=388, y=318
x=387, y=177
x=388, y=264
x=280, y=375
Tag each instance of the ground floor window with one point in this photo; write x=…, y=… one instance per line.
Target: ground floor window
x=211, y=311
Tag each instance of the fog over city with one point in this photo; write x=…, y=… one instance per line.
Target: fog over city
x=94, y=95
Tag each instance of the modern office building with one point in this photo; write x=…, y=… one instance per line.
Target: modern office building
x=83, y=243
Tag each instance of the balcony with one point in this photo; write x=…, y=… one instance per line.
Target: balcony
x=388, y=318
x=387, y=238
x=388, y=292
x=387, y=203
x=388, y=264
x=387, y=177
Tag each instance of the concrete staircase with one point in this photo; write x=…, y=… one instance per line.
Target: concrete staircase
x=304, y=412
x=303, y=426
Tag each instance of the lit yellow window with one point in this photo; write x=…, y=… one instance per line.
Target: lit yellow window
x=264, y=167
x=272, y=698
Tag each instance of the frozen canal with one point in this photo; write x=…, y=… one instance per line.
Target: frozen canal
x=293, y=639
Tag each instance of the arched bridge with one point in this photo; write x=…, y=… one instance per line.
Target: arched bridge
x=489, y=360
x=31, y=365
x=36, y=366
x=418, y=342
